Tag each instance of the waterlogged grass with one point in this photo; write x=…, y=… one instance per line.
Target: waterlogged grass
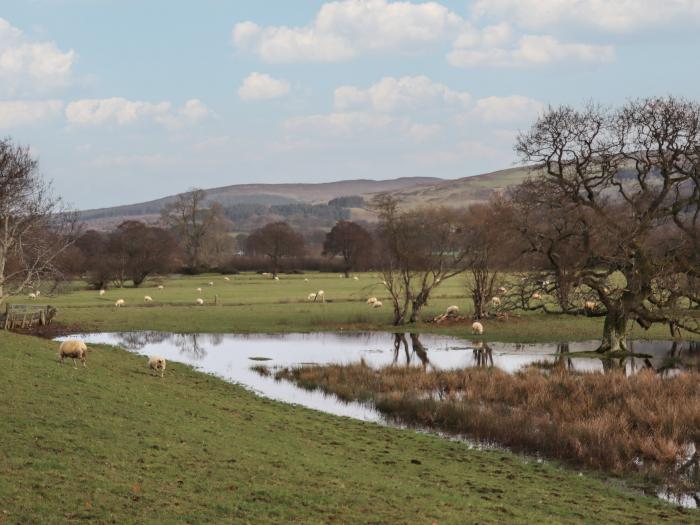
x=606, y=421
x=253, y=303
x=111, y=444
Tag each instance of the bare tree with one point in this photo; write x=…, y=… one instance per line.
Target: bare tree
x=275, y=240
x=194, y=224
x=349, y=240
x=630, y=178
x=35, y=230
x=417, y=250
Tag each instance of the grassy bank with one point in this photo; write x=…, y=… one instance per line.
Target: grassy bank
x=110, y=444
x=252, y=303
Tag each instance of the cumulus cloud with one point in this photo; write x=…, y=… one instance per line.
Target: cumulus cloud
x=394, y=94
x=525, y=51
x=344, y=29
x=15, y=113
x=618, y=16
x=260, y=86
x=121, y=111
x=31, y=66
x=514, y=108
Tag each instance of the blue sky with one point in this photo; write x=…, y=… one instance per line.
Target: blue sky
x=125, y=101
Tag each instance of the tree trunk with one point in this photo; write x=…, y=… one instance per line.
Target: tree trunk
x=614, y=332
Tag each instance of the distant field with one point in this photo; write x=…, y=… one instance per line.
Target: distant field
x=253, y=303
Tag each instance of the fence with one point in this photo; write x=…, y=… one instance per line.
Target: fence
x=26, y=315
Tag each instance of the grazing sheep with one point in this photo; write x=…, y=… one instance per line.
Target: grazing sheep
x=199, y=301
x=211, y=283
x=536, y=296
x=156, y=363
x=73, y=348
x=119, y=303
x=276, y=278
x=102, y=292
x=311, y=297
x=226, y=279
x=32, y=295
x=371, y=300
x=452, y=310
x=377, y=304
x=477, y=328
x=590, y=305
x=321, y=295
x=199, y=289
x=496, y=301
x=147, y=299
x=160, y=286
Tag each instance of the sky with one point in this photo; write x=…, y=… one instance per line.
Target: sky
x=124, y=101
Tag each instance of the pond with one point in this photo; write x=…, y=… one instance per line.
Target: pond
x=233, y=356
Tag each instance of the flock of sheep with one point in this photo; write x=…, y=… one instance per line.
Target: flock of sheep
x=77, y=349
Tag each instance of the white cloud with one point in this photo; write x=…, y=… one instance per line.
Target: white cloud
x=118, y=110
x=526, y=51
x=31, y=66
x=14, y=113
x=260, y=86
x=394, y=94
x=514, y=108
x=614, y=16
x=134, y=161
x=346, y=28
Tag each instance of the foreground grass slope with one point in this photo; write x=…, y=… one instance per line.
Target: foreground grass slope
x=109, y=444
x=253, y=303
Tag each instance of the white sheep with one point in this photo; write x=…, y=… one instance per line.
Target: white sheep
x=306, y=280
x=341, y=276
x=311, y=297
x=502, y=289
x=321, y=295
x=496, y=301
x=199, y=301
x=590, y=305
x=477, y=328
x=199, y=289
x=377, y=304
x=160, y=286
x=452, y=310
x=355, y=278
x=211, y=283
x=102, y=292
x=119, y=303
x=156, y=363
x=265, y=274
x=75, y=349
x=38, y=293
x=371, y=300
x=147, y=299
x=276, y=278
x=226, y=279
x=536, y=296
x=32, y=295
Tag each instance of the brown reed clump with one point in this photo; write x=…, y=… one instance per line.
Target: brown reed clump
x=603, y=421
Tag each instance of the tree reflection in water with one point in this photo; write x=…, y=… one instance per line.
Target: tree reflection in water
x=138, y=340
x=417, y=349
x=483, y=355
x=189, y=345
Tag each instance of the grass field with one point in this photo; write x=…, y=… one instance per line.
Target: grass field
x=110, y=444
x=252, y=303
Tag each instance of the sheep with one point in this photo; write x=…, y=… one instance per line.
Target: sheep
x=102, y=292
x=199, y=289
x=377, y=304
x=38, y=293
x=503, y=289
x=156, y=363
x=119, y=303
x=496, y=301
x=321, y=295
x=452, y=310
x=226, y=279
x=73, y=348
x=147, y=299
x=477, y=328
x=32, y=295
x=371, y=300
x=311, y=297
x=199, y=301
x=355, y=278
x=536, y=296
x=265, y=274
x=211, y=283
x=306, y=280
x=589, y=305
x=276, y=278
x=160, y=286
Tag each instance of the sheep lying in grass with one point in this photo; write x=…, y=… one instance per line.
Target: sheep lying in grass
x=199, y=301
x=156, y=364
x=119, y=303
x=102, y=292
x=377, y=304
x=147, y=299
x=477, y=328
x=311, y=297
x=452, y=310
x=371, y=301
x=75, y=349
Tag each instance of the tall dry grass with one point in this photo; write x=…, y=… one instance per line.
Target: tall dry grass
x=603, y=421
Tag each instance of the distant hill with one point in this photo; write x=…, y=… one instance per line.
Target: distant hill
x=304, y=205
